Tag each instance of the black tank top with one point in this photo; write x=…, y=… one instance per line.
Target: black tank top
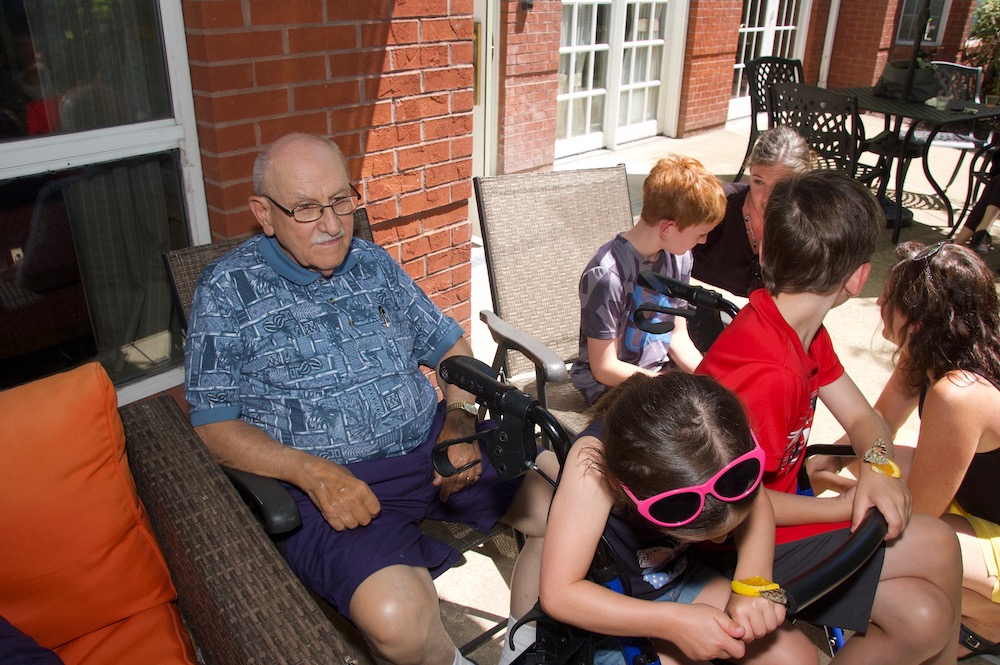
x=977, y=494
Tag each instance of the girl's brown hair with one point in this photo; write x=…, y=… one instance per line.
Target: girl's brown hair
x=672, y=431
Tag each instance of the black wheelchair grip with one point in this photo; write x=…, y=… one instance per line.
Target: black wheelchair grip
x=814, y=583
x=476, y=377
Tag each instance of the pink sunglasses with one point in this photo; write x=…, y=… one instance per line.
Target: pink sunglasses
x=674, y=508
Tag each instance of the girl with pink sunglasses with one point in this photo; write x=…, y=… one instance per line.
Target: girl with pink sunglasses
x=668, y=462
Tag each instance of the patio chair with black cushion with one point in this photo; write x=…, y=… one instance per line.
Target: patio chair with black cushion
x=761, y=74
x=539, y=232
x=828, y=121
x=269, y=500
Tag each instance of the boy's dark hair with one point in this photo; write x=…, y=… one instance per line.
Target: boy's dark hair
x=819, y=227
x=670, y=431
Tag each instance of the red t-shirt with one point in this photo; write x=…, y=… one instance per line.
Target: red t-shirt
x=760, y=358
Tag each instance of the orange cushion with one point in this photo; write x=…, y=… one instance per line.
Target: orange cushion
x=79, y=552
x=153, y=637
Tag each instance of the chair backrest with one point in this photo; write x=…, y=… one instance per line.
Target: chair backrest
x=539, y=231
x=959, y=81
x=828, y=121
x=185, y=265
x=764, y=72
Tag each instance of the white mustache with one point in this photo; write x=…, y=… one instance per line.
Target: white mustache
x=326, y=237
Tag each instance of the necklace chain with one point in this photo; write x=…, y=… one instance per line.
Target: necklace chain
x=753, y=236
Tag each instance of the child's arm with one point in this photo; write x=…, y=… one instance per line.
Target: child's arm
x=895, y=404
x=755, y=551
x=682, y=350
x=897, y=401
x=579, y=512
x=864, y=426
x=605, y=365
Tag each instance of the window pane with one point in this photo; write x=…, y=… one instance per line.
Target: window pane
x=580, y=75
x=584, y=25
x=652, y=97
x=80, y=66
x=562, y=126
x=566, y=30
x=597, y=113
x=603, y=23
x=90, y=283
x=564, y=73
x=580, y=116
x=600, y=69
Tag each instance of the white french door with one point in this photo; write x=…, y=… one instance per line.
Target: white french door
x=769, y=27
x=612, y=58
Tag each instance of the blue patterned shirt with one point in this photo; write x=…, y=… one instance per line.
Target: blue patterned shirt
x=330, y=366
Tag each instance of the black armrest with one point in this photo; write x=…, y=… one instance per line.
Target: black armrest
x=843, y=562
x=552, y=366
x=268, y=499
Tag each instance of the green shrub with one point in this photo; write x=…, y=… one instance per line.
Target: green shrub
x=983, y=48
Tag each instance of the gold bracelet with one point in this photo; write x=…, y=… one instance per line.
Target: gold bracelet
x=878, y=457
x=758, y=586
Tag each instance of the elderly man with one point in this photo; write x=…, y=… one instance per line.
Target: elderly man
x=303, y=364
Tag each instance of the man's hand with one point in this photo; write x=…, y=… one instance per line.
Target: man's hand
x=889, y=495
x=458, y=424
x=345, y=501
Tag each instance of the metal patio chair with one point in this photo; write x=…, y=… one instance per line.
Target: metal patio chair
x=762, y=73
x=828, y=121
x=539, y=232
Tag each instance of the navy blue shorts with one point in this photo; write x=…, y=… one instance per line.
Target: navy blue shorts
x=335, y=563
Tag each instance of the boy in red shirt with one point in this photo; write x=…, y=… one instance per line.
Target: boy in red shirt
x=820, y=231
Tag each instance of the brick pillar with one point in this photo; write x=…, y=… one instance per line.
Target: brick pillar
x=709, y=56
x=529, y=64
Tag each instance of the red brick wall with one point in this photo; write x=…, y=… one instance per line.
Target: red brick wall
x=529, y=64
x=812, y=58
x=866, y=34
x=709, y=57
x=389, y=80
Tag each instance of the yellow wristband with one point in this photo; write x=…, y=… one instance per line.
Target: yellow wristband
x=752, y=586
x=758, y=586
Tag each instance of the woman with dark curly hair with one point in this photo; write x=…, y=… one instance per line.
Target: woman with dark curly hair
x=940, y=308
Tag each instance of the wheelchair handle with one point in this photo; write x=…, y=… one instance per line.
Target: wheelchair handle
x=840, y=564
x=696, y=296
x=511, y=443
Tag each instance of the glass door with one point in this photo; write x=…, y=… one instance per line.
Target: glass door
x=610, y=62
x=769, y=27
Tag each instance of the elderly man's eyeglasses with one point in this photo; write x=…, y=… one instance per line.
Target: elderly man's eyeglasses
x=310, y=212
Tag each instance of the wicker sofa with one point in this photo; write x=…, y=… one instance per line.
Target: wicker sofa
x=237, y=600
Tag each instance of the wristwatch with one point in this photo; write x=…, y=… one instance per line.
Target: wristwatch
x=470, y=408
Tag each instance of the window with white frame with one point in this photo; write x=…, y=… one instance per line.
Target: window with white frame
x=931, y=30
x=99, y=177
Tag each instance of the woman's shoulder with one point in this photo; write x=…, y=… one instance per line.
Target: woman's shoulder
x=960, y=388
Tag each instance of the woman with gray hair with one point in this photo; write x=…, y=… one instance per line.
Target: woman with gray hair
x=730, y=257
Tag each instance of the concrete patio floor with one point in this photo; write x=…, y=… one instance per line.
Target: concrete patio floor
x=475, y=594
